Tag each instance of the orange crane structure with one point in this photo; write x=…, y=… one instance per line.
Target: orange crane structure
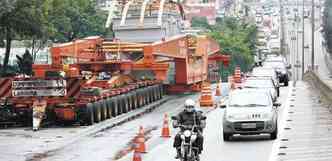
x=93, y=79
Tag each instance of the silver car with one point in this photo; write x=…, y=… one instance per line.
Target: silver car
x=250, y=112
x=265, y=83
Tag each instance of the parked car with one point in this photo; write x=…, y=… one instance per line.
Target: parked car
x=250, y=112
x=281, y=69
x=266, y=72
x=264, y=83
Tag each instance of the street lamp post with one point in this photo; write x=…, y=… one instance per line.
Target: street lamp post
x=312, y=35
x=302, y=39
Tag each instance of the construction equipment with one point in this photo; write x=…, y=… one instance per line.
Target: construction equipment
x=93, y=79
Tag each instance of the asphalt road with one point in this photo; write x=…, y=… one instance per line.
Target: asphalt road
x=242, y=148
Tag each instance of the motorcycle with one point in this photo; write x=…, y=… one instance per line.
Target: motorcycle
x=188, y=137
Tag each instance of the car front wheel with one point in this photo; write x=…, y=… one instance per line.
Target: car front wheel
x=274, y=134
x=227, y=136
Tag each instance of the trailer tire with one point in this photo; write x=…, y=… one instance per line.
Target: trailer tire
x=125, y=103
x=120, y=105
x=103, y=109
x=134, y=99
x=89, y=120
x=109, y=107
x=115, y=111
x=97, y=112
x=140, y=98
x=131, y=101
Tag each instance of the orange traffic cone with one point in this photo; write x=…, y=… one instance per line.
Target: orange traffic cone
x=206, y=95
x=137, y=156
x=141, y=131
x=237, y=75
x=140, y=141
x=232, y=83
x=218, y=93
x=165, y=131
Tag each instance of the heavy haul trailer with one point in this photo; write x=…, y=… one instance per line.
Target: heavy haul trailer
x=134, y=72
x=70, y=89
x=65, y=93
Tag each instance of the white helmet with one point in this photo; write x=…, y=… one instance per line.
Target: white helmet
x=189, y=105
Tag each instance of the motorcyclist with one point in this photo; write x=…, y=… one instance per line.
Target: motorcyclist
x=189, y=117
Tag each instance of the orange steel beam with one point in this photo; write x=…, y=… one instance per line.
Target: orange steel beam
x=175, y=47
x=75, y=50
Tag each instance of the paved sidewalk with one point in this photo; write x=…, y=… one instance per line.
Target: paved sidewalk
x=307, y=133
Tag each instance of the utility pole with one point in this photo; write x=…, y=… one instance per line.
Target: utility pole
x=302, y=39
x=313, y=35
x=282, y=40
x=297, y=18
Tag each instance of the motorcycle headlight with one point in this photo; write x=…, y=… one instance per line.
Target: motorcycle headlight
x=283, y=72
x=187, y=133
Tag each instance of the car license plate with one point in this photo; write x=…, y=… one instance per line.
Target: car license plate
x=248, y=125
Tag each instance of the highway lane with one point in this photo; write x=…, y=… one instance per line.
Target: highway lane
x=242, y=148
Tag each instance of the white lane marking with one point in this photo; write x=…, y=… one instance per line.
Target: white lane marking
x=281, y=126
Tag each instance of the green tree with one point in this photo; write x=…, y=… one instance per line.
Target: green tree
x=73, y=19
x=236, y=39
x=200, y=22
x=327, y=24
x=17, y=22
x=25, y=63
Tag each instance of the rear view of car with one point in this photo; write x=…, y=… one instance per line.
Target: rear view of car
x=263, y=83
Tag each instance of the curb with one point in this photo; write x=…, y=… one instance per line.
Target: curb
x=315, y=81
x=105, y=125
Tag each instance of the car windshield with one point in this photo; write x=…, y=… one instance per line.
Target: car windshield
x=258, y=83
x=249, y=99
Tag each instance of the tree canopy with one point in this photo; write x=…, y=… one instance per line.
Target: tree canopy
x=43, y=20
x=236, y=39
x=327, y=25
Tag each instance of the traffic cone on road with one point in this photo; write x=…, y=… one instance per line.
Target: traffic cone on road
x=165, y=132
x=237, y=75
x=206, y=98
x=140, y=141
x=137, y=156
x=218, y=93
x=141, y=131
x=231, y=82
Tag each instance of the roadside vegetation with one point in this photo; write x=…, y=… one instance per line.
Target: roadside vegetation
x=236, y=39
x=47, y=20
x=327, y=25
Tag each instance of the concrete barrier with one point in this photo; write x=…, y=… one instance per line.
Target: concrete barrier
x=323, y=86
x=328, y=62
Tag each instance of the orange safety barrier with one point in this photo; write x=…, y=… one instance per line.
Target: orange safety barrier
x=137, y=156
x=206, y=95
x=237, y=75
x=231, y=82
x=140, y=141
x=165, y=132
x=218, y=90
